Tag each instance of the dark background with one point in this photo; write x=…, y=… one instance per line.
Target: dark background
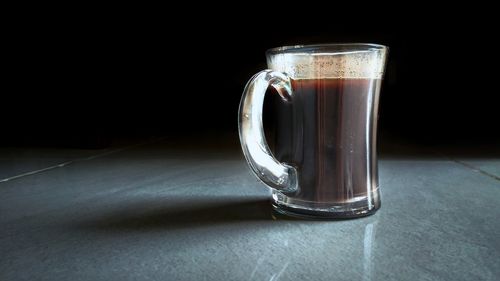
x=87, y=79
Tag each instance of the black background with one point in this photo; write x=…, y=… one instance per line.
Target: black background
x=87, y=78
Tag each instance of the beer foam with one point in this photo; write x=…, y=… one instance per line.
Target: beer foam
x=368, y=64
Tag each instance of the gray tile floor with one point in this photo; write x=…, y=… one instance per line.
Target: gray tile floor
x=168, y=210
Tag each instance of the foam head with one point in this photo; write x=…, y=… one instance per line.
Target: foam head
x=347, y=61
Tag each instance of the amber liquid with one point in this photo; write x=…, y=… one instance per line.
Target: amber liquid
x=328, y=132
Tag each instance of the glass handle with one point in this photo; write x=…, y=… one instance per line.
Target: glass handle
x=266, y=167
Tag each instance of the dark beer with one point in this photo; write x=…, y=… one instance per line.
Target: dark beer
x=328, y=132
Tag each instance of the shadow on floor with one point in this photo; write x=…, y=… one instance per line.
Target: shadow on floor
x=176, y=213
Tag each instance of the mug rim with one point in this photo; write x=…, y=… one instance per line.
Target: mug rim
x=328, y=48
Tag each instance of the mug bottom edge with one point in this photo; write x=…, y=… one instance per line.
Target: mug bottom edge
x=358, y=209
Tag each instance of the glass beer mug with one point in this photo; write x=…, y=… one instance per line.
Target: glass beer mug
x=324, y=164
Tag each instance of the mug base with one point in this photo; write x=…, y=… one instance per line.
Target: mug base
x=285, y=205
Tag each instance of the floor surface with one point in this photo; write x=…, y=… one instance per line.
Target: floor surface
x=175, y=210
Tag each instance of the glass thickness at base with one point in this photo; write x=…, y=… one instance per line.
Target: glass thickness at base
x=360, y=207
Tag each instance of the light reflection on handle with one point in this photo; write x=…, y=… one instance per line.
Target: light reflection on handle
x=266, y=167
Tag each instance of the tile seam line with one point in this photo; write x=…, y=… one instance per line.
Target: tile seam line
x=475, y=169
x=63, y=164
x=469, y=166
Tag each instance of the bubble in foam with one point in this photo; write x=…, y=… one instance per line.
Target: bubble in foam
x=356, y=64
